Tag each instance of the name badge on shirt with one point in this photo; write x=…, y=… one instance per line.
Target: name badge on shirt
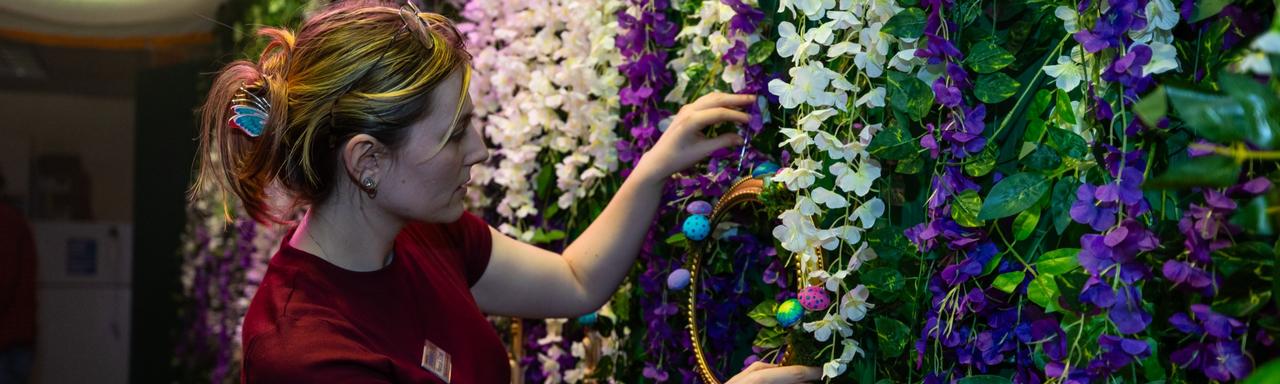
x=436, y=360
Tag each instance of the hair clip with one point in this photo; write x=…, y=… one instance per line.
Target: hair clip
x=249, y=112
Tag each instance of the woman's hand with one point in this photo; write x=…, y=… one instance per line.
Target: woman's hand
x=762, y=373
x=683, y=144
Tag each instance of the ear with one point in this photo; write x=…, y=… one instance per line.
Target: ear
x=364, y=157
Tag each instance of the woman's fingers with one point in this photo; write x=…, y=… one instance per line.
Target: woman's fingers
x=721, y=100
x=712, y=116
x=788, y=374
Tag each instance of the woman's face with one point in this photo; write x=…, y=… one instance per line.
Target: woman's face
x=423, y=184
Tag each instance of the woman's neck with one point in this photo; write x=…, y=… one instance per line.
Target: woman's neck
x=349, y=237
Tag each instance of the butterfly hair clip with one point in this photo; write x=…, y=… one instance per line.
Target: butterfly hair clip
x=249, y=112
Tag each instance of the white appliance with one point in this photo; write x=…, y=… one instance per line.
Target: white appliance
x=83, y=295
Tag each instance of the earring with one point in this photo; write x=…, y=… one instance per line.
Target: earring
x=369, y=186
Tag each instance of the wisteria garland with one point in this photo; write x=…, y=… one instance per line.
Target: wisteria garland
x=829, y=132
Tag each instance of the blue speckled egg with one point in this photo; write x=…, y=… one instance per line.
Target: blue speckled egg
x=678, y=279
x=767, y=168
x=699, y=207
x=789, y=313
x=696, y=227
x=587, y=319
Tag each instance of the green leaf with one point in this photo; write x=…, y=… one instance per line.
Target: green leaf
x=1153, y=107
x=546, y=177
x=1063, y=110
x=1261, y=107
x=1040, y=103
x=760, y=51
x=909, y=95
x=770, y=338
x=1025, y=223
x=1043, y=291
x=986, y=57
x=1058, y=262
x=677, y=238
x=982, y=164
x=1252, y=217
x=1268, y=373
x=1064, y=194
x=541, y=237
x=1012, y=195
x=908, y=24
x=764, y=313
x=995, y=87
x=1213, y=117
x=1207, y=8
x=1151, y=367
x=1243, y=305
x=893, y=143
x=965, y=209
x=893, y=335
x=884, y=282
x=1067, y=143
x=984, y=379
x=1042, y=159
x=1206, y=171
x=1009, y=281
x=912, y=165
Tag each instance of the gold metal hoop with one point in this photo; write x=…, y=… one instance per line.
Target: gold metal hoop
x=744, y=191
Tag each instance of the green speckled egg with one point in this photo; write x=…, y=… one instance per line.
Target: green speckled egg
x=789, y=313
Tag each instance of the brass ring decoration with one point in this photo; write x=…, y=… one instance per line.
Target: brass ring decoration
x=744, y=191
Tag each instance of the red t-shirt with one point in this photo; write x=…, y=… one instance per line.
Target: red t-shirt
x=312, y=321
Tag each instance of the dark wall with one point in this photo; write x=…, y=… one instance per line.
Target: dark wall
x=166, y=127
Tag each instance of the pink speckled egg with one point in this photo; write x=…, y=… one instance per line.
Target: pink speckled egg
x=813, y=298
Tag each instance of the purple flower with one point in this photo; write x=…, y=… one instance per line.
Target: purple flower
x=1225, y=361
x=946, y=94
x=746, y=18
x=737, y=54
x=938, y=49
x=1127, y=314
x=1087, y=210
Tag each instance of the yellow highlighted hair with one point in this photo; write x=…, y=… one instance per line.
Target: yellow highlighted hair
x=353, y=68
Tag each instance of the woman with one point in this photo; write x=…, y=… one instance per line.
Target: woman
x=363, y=118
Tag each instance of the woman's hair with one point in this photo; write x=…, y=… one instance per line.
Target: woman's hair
x=353, y=68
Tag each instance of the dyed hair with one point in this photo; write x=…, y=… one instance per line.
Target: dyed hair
x=353, y=68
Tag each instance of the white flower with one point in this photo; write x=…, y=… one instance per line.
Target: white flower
x=1161, y=14
x=807, y=206
x=800, y=175
x=854, y=305
x=797, y=139
x=791, y=43
x=813, y=121
x=797, y=232
x=876, y=45
x=822, y=329
x=814, y=9
x=873, y=98
x=1254, y=62
x=859, y=181
x=849, y=233
x=832, y=281
x=904, y=60
x=831, y=199
x=1267, y=43
x=1067, y=72
x=823, y=34
x=868, y=212
x=844, y=48
x=862, y=255
x=832, y=369
x=1164, y=57
x=844, y=20
x=808, y=85
x=851, y=349
x=1070, y=18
